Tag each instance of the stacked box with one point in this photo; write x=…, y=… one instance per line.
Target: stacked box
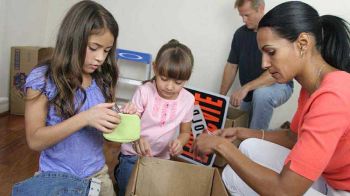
x=23, y=60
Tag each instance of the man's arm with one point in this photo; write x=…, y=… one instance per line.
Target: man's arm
x=228, y=77
x=264, y=79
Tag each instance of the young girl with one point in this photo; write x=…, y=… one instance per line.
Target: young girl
x=163, y=104
x=69, y=98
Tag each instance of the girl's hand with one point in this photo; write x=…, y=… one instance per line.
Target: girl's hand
x=175, y=147
x=102, y=117
x=142, y=147
x=129, y=108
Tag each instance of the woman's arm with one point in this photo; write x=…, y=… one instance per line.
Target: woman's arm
x=261, y=179
x=40, y=136
x=285, y=137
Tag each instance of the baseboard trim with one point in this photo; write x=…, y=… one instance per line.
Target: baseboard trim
x=4, y=104
x=4, y=113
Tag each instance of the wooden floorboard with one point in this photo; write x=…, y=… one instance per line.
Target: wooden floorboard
x=18, y=162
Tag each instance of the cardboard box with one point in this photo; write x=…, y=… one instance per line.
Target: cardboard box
x=235, y=118
x=23, y=60
x=158, y=177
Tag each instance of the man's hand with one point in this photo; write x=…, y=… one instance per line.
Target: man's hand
x=237, y=97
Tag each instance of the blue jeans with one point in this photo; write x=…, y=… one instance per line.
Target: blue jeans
x=126, y=164
x=264, y=100
x=52, y=183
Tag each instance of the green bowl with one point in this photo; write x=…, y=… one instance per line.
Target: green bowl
x=128, y=129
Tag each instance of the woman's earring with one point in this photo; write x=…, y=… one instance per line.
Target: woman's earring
x=301, y=53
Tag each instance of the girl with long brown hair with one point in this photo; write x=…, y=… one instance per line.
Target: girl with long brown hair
x=70, y=96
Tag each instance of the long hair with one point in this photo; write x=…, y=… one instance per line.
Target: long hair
x=174, y=60
x=84, y=19
x=288, y=20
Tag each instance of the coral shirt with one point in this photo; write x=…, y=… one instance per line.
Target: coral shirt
x=160, y=118
x=322, y=122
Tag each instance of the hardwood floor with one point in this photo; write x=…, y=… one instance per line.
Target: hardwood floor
x=18, y=162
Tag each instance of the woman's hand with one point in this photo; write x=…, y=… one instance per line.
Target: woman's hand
x=129, y=108
x=102, y=117
x=142, y=147
x=205, y=144
x=232, y=133
x=229, y=133
x=175, y=147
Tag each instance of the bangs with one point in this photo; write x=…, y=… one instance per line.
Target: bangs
x=177, y=66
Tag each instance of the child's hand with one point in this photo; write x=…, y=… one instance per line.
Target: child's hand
x=142, y=147
x=175, y=147
x=102, y=117
x=129, y=108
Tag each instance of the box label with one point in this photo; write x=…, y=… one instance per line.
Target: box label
x=209, y=113
x=17, y=62
x=19, y=80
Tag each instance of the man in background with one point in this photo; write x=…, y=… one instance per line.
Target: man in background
x=259, y=93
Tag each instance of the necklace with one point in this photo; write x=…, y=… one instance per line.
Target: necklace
x=318, y=76
x=319, y=71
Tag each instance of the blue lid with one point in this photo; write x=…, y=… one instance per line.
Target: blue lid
x=133, y=56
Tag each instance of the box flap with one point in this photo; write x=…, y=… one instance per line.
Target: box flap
x=242, y=121
x=130, y=189
x=228, y=123
x=218, y=187
x=237, y=118
x=26, y=47
x=158, y=177
x=45, y=54
x=233, y=113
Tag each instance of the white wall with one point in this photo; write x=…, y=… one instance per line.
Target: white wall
x=56, y=12
x=22, y=23
x=3, y=65
x=4, y=102
x=206, y=26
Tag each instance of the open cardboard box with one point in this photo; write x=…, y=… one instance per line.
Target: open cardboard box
x=159, y=177
x=235, y=118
